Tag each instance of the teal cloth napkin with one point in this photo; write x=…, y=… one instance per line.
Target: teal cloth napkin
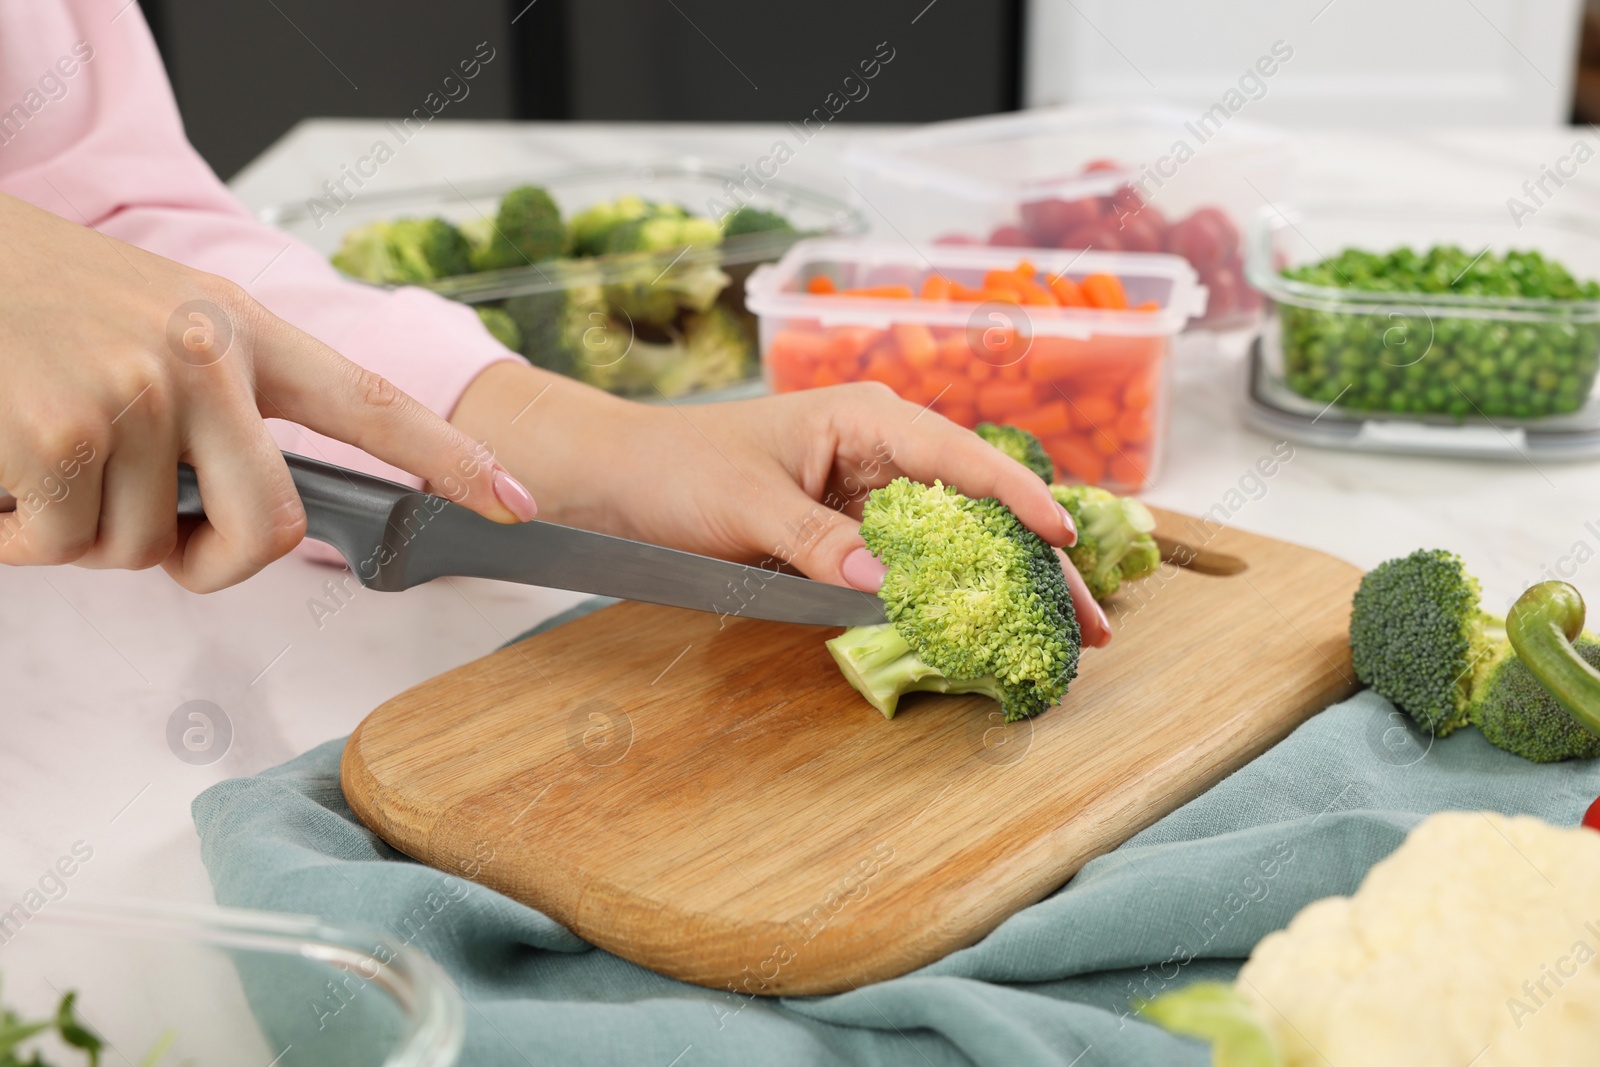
x=1185, y=899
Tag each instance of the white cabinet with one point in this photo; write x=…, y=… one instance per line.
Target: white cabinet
x=1353, y=62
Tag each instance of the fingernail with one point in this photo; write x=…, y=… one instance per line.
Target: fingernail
x=862, y=570
x=514, y=496
x=1105, y=624
x=1066, y=520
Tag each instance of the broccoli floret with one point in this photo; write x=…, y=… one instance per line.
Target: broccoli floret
x=592, y=226
x=1114, y=537
x=527, y=229
x=712, y=350
x=650, y=293
x=501, y=326
x=1516, y=713
x=747, y=219
x=976, y=598
x=1020, y=445
x=404, y=251
x=566, y=329
x=1419, y=637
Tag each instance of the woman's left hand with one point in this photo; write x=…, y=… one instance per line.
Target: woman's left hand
x=777, y=478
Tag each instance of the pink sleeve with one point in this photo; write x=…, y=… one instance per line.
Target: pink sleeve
x=103, y=145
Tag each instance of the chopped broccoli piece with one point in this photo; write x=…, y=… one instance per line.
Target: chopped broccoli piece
x=1020, y=445
x=566, y=330
x=881, y=665
x=527, y=229
x=404, y=251
x=1517, y=713
x=1114, y=537
x=650, y=293
x=592, y=226
x=501, y=326
x=976, y=597
x=1419, y=637
x=712, y=350
x=1216, y=1012
x=747, y=219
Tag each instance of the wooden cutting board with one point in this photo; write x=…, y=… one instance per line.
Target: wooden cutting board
x=710, y=799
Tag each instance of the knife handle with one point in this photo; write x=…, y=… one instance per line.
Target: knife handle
x=344, y=508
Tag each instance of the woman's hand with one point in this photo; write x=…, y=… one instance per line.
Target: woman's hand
x=779, y=478
x=119, y=364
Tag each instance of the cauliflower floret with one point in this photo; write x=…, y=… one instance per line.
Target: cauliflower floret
x=1475, y=942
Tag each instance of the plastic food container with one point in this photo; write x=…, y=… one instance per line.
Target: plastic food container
x=1091, y=384
x=643, y=362
x=1108, y=178
x=1426, y=372
x=186, y=982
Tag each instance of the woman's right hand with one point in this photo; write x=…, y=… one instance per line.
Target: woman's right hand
x=120, y=364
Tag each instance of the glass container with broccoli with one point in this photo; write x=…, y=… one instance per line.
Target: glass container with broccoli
x=1449, y=331
x=628, y=294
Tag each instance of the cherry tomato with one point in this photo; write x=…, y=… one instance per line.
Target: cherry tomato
x=1101, y=164
x=1009, y=237
x=1047, y=220
x=1591, y=818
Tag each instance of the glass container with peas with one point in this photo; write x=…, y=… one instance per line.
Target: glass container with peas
x=1432, y=315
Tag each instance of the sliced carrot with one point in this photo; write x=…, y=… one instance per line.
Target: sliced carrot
x=978, y=370
x=936, y=287
x=1047, y=420
x=1134, y=425
x=960, y=415
x=1010, y=372
x=1130, y=470
x=1074, y=454
x=995, y=344
x=1140, y=391
x=1104, y=442
x=1096, y=409
x=960, y=391
x=880, y=292
x=1053, y=359
x=916, y=344
x=997, y=401
x=885, y=366
x=965, y=293
x=849, y=342
x=1025, y=270
x=954, y=352
x=1068, y=293
x=1034, y=294
x=827, y=374
x=802, y=346
x=1003, y=294
x=1104, y=291
x=821, y=285
x=1149, y=305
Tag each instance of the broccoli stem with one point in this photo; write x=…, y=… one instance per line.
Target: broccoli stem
x=1219, y=1013
x=1542, y=625
x=879, y=663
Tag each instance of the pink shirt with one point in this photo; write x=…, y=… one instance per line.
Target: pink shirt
x=89, y=130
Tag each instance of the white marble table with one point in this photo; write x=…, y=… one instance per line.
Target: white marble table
x=95, y=663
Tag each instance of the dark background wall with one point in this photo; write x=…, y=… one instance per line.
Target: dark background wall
x=244, y=73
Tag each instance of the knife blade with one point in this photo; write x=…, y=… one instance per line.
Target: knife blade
x=394, y=537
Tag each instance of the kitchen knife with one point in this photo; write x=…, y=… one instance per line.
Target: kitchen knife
x=395, y=537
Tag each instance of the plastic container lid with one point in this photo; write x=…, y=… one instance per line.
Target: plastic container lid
x=777, y=290
x=1032, y=153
